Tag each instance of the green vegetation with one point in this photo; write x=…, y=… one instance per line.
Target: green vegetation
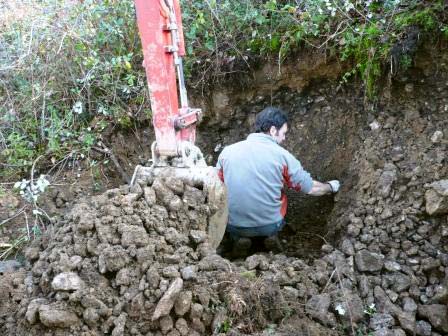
x=69, y=70
x=231, y=35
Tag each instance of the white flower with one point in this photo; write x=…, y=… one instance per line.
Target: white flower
x=77, y=108
x=340, y=310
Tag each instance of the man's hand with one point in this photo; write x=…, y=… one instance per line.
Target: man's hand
x=325, y=188
x=334, y=184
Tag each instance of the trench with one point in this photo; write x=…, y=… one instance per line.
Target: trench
x=323, y=135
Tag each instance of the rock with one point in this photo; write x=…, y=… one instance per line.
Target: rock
x=33, y=310
x=386, y=180
x=197, y=236
x=347, y=247
x=214, y=262
x=170, y=272
x=392, y=266
x=54, y=317
x=196, y=310
x=399, y=281
x=120, y=323
x=189, y=272
x=197, y=325
x=183, y=303
x=167, y=301
x=429, y=264
x=383, y=303
x=437, y=198
x=381, y=321
x=112, y=258
x=256, y=261
x=67, y=281
x=367, y=261
x=134, y=235
x=91, y=316
x=352, y=305
x=436, y=314
x=182, y=326
x=409, y=304
x=317, y=308
x=437, y=137
x=150, y=195
x=407, y=321
x=31, y=254
x=290, y=293
x=166, y=324
x=441, y=293
x=423, y=328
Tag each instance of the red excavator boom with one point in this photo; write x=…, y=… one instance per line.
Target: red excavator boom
x=160, y=27
x=174, y=153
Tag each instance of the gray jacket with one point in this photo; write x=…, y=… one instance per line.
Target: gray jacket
x=256, y=172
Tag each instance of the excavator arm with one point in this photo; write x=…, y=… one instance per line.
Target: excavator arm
x=160, y=27
x=174, y=152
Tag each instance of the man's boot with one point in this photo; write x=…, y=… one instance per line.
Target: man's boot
x=273, y=244
x=241, y=247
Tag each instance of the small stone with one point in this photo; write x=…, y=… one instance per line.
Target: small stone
x=423, y=328
x=374, y=125
x=67, y=281
x=183, y=303
x=32, y=253
x=196, y=310
x=367, y=261
x=167, y=301
x=386, y=180
x=379, y=321
x=166, y=324
x=429, y=264
x=407, y=321
x=54, y=317
x=197, y=236
x=197, y=325
x=409, y=304
x=182, y=326
x=437, y=137
x=149, y=195
x=392, y=266
x=409, y=87
x=170, y=272
x=317, y=308
x=437, y=198
x=347, y=247
x=290, y=293
x=33, y=309
x=189, y=272
x=134, y=235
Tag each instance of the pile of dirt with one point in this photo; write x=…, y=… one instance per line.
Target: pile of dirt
x=139, y=263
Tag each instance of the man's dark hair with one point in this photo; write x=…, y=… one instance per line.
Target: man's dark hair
x=270, y=116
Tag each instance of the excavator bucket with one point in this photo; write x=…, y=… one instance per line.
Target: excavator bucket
x=204, y=178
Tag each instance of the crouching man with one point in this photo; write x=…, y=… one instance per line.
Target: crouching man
x=256, y=172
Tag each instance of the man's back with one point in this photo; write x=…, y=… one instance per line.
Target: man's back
x=255, y=172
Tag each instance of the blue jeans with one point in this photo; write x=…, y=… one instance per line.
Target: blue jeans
x=236, y=232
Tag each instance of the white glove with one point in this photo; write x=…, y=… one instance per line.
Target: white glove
x=334, y=184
